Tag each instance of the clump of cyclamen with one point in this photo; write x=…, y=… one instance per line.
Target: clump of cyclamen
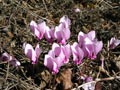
x=57, y=57
x=60, y=33
x=8, y=58
x=89, y=44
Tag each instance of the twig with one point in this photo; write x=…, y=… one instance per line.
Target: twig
x=97, y=80
x=45, y=5
x=7, y=73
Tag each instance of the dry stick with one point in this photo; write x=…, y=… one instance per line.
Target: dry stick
x=34, y=14
x=100, y=1
x=97, y=80
x=7, y=73
x=45, y=6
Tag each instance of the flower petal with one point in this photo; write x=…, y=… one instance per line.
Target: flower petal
x=33, y=25
x=31, y=54
x=77, y=52
x=38, y=51
x=67, y=52
x=58, y=33
x=91, y=35
x=66, y=21
x=49, y=62
x=5, y=57
x=98, y=46
x=81, y=37
x=113, y=43
x=49, y=34
x=56, y=49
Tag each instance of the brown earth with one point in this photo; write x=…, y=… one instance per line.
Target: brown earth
x=103, y=16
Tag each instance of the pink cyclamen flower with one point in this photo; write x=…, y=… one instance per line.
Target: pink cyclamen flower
x=62, y=31
x=8, y=58
x=113, y=43
x=32, y=54
x=38, y=29
x=77, y=53
x=49, y=34
x=57, y=57
x=89, y=44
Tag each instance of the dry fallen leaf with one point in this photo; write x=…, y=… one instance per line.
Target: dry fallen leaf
x=65, y=79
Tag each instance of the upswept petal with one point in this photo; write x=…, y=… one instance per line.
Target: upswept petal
x=77, y=53
x=81, y=37
x=58, y=33
x=41, y=28
x=33, y=25
x=66, y=33
x=67, y=52
x=49, y=34
x=32, y=54
x=29, y=51
x=38, y=29
x=66, y=21
x=37, y=51
x=98, y=47
x=51, y=64
x=113, y=43
x=56, y=48
x=91, y=35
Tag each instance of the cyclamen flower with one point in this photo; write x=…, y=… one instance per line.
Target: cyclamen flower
x=89, y=44
x=113, y=43
x=32, y=54
x=77, y=53
x=38, y=29
x=49, y=34
x=57, y=57
x=62, y=31
x=8, y=58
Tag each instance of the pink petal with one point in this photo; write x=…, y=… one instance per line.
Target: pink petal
x=67, y=52
x=114, y=43
x=62, y=33
x=49, y=34
x=98, y=46
x=56, y=48
x=13, y=61
x=66, y=33
x=77, y=52
x=91, y=35
x=90, y=48
x=66, y=21
x=38, y=51
x=49, y=62
x=81, y=37
x=41, y=28
x=38, y=29
x=31, y=54
x=33, y=25
x=58, y=33
x=5, y=57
